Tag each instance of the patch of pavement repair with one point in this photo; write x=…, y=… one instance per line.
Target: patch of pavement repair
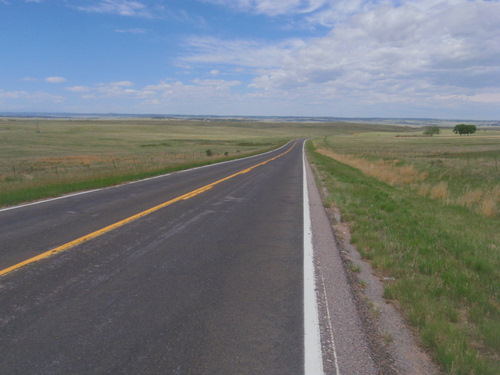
x=393, y=346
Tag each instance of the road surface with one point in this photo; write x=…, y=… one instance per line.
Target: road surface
x=197, y=272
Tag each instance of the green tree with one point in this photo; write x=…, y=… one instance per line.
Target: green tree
x=431, y=130
x=464, y=129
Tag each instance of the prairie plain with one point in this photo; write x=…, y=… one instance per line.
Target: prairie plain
x=48, y=157
x=422, y=210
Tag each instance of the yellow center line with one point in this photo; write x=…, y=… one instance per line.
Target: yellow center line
x=121, y=223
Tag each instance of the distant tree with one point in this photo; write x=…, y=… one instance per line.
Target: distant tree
x=464, y=129
x=209, y=152
x=431, y=130
x=472, y=129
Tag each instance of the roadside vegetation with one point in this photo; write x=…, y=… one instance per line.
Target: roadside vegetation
x=46, y=158
x=424, y=211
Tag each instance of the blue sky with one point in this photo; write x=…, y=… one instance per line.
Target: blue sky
x=345, y=58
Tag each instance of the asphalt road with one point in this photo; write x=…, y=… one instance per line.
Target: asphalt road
x=211, y=283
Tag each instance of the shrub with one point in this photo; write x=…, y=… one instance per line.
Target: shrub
x=464, y=129
x=431, y=130
x=439, y=191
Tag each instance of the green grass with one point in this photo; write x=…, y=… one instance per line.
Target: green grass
x=445, y=257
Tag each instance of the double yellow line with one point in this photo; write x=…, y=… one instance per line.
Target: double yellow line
x=121, y=223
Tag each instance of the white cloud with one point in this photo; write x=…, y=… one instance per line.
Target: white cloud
x=218, y=83
x=55, y=79
x=132, y=31
x=162, y=86
x=210, y=96
x=38, y=96
x=120, y=7
x=122, y=84
x=110, y=90
x=247, y=53
x=119, y=89
x=78, y=89
x=273, y=7
x=489, y=96
x=13, y=94
x=386, y=52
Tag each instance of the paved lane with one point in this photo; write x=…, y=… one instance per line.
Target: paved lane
x=208, y=285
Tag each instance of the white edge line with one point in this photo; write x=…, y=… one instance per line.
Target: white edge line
x=313, y=359
x=132, y=182
x=332, y=339
x=50, y=200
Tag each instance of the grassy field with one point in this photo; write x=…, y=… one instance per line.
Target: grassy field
x=42, y=158
x=424, y=210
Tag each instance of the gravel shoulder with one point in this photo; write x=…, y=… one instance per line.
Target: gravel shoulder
x=361, y=332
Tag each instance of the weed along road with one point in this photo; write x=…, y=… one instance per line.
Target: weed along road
x=196, y=272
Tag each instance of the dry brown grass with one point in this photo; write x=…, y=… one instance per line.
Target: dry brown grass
x=73, y=159
x=69, y=167
x=440, y=191
x=489, y=203
x=496, y=192
x=480, y=200
x=471, y=197
x=488, y=206
x=423, y=189
x=484, y=202
x=385, y=170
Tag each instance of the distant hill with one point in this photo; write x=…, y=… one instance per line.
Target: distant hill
x=417, y=122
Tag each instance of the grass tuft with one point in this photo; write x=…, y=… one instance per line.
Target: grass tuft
x=423, y=189
x=440, y=191
x=471, y=197
x=488, y=206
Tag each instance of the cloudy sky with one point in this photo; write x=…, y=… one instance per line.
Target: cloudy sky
x=344, y=58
